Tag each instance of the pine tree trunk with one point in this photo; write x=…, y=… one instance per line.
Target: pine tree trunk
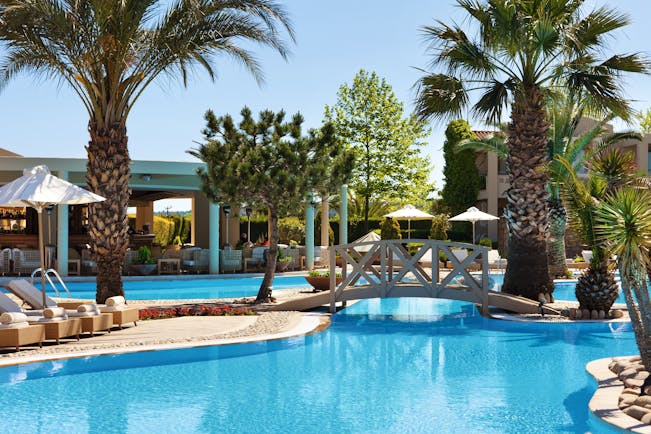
x=108, y=175
x=264, y=293
x=556, y=239
x=527, y=273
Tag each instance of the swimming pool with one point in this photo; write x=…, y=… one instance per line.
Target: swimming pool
x=177, y=289
x=392, y=365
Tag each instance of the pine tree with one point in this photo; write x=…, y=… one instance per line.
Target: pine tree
x=269, y=164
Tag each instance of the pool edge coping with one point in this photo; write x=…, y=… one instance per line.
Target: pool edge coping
x=605, y=400
x=309, y=323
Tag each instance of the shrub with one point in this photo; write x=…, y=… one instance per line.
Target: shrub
x=201, y=310
x=486, y=242
x=317, y=273
x=440, y=227
x=144, y=256
x=163, y=230
x=390, y=229
x=291, y=228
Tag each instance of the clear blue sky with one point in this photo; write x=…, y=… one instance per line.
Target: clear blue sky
x=335, y=38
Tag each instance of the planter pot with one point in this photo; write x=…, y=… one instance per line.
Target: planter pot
x=339, y=262
x=143, y=269
x=282, y=266
x=321, y=283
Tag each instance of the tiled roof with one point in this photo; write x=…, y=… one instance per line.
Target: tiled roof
x=482, y=135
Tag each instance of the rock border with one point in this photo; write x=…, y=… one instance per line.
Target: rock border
x=617, y=400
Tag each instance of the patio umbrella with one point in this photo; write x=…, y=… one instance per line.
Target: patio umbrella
x=371, y=236
x=473, y=215
x=39, y=189
x=409, y=213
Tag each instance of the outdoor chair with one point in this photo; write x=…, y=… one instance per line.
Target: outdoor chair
x=296, y=258
x=230, y=260
x=129, y=257
x=88, y=263
x=5, y=261
x=26, y=261
x=170, y=262
x=188, y=259
x=495, y=261
x=74, y=261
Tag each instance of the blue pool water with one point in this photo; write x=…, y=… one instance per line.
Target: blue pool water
x=563, y=290
x=188, y=288
x=393, y=365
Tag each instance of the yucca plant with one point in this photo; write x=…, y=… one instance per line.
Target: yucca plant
x=610, y=169
x=624, y=227
x=109, y=52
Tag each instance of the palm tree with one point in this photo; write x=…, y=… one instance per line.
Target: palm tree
x=609, y=170
x=522, y=48
x=109, y=52
x=624, y=225
x=565, y=114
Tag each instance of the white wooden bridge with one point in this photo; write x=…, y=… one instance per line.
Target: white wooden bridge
x=380, y=269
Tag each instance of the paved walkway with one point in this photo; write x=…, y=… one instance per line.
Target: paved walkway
x=181, y=332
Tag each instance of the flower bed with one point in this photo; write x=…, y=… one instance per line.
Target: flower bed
x=172, y=312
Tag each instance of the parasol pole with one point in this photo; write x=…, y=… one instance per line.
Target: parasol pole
x=41, y=249
x=473, y=231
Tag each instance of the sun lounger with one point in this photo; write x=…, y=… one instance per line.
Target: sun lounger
x=122, y=313
x=23, y=335
x=55, y=323
x=90, y=317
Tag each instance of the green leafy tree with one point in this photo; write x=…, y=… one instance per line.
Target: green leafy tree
x=462, y=180
x=109, y=52
x=644, y=118
x=291, y=229
x=624, y=226
x=519, y=51
x=386, y=143
x=269, y=164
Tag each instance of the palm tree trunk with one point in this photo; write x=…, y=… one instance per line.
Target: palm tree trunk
x=527, y=273
x=556, y=239
x=633, y=281
x=264, y=293
x=107, y=174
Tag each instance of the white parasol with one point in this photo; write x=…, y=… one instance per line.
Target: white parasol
x=39, y=189
x=371, y=236
x=409, y=213
x=473, y=215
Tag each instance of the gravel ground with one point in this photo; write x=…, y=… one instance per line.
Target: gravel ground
x=266, y=323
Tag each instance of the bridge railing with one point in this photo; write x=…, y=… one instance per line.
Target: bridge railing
x=387, y=269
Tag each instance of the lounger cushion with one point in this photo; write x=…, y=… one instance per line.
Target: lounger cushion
x=44, y=319
x=52, y=312
x=14, y=325
x=88, y=307
x=12, y=317
x=115, y=301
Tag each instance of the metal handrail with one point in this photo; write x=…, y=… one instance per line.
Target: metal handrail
x=47, y=276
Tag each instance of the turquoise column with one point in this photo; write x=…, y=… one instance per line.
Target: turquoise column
x=343, y=216
x=309, y=232
x=62, y=233
x=213, y=236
